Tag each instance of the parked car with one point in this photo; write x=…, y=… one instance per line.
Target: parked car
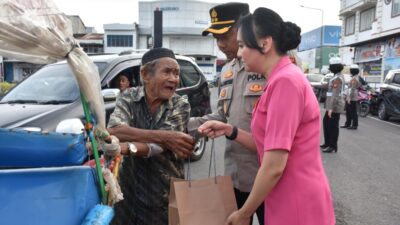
x=50, y=96
x=389, y=98
x=315, y=81
x=321, y=96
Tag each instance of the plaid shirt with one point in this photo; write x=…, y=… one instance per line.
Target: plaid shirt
x=145, y=182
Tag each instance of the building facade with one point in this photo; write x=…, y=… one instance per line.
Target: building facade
x=182, y=24
x=371, y=28
x=317, y=47
x=92, y=43
x=120, y=37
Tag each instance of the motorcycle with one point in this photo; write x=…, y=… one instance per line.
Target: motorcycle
x=364, y=102
x=367, y=102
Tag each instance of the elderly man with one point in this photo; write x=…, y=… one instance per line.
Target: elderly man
x=150, y=121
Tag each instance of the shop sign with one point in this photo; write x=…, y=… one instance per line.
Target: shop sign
x=169, y=8
x=391, y=64
x=372, y=68
x=392, y=48
x=369, y=52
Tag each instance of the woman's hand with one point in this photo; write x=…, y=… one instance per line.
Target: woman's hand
x=214, y=129
x=236, y=218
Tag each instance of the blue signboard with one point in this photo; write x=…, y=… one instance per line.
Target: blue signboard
x=312, y=39
x=331, y=35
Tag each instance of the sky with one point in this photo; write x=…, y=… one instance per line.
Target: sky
x=95, y=13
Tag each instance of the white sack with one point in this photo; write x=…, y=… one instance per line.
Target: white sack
x=36, y=31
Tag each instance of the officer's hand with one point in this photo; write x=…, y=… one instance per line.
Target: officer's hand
x=178, y=142
x=214, y=129
x=330, y=113
x=111, y=149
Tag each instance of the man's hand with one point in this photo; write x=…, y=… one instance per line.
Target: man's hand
x=178, y=142
x=112, y=149
x=330, y=113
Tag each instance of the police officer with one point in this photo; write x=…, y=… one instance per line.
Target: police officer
x=239, y=93
x=352, y=99
x=334, y=106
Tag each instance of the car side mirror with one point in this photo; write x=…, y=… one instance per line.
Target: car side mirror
x=110, y=94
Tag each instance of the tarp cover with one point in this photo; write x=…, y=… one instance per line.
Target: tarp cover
x=54, y=196
x=23, y=149
x=36, y=31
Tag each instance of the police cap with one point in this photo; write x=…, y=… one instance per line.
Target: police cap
x=224, y=16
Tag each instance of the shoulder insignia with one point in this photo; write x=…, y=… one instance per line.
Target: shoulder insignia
x=223, y=93
x=228, y=74
x=336, y=83
x=255, y=88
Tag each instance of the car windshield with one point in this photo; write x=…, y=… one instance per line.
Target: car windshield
x=314, y=77
x=52, y=84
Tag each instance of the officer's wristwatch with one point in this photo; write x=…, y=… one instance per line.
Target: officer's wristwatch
x=132, y=149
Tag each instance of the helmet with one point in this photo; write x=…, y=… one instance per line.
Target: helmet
x=354, y=66
x=334, y=60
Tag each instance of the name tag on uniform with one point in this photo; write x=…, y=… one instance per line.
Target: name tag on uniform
x=328, y=94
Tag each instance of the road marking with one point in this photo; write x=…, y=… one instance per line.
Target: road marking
x=383, y=121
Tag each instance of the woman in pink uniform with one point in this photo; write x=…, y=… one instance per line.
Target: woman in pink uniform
x=285, y=129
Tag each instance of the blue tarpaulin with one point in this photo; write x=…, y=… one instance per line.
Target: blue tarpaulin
x=53, y=196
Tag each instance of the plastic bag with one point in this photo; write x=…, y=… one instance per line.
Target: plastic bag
x=99, y=215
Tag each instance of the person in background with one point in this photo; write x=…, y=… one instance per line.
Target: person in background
x=294, y=58
x=239, y=92
x=285, y=129
x=334, y=106
x=149, y=122
x=123, y=82
x=352, y=99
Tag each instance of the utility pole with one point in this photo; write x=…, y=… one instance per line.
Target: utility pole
x=158, y=32
x=322, y=30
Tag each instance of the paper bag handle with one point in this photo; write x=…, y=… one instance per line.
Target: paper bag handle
x=212, y=158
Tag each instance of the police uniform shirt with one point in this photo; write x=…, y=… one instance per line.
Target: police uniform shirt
x=239, y=92
x=353, y=88
x=335, y=95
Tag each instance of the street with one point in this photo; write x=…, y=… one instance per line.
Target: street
x=364, y=174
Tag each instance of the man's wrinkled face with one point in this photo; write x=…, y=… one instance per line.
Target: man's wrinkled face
x=227, y=43
x=163, y=83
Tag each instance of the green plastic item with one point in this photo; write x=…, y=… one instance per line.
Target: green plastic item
x=88, y=118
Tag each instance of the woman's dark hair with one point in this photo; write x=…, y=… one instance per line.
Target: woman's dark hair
x=264, y=23
x=354, y=71
x=336, y=68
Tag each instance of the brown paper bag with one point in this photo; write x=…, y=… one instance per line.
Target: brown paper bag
x=199, y=202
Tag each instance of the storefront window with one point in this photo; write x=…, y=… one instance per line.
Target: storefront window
x=395, y=8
